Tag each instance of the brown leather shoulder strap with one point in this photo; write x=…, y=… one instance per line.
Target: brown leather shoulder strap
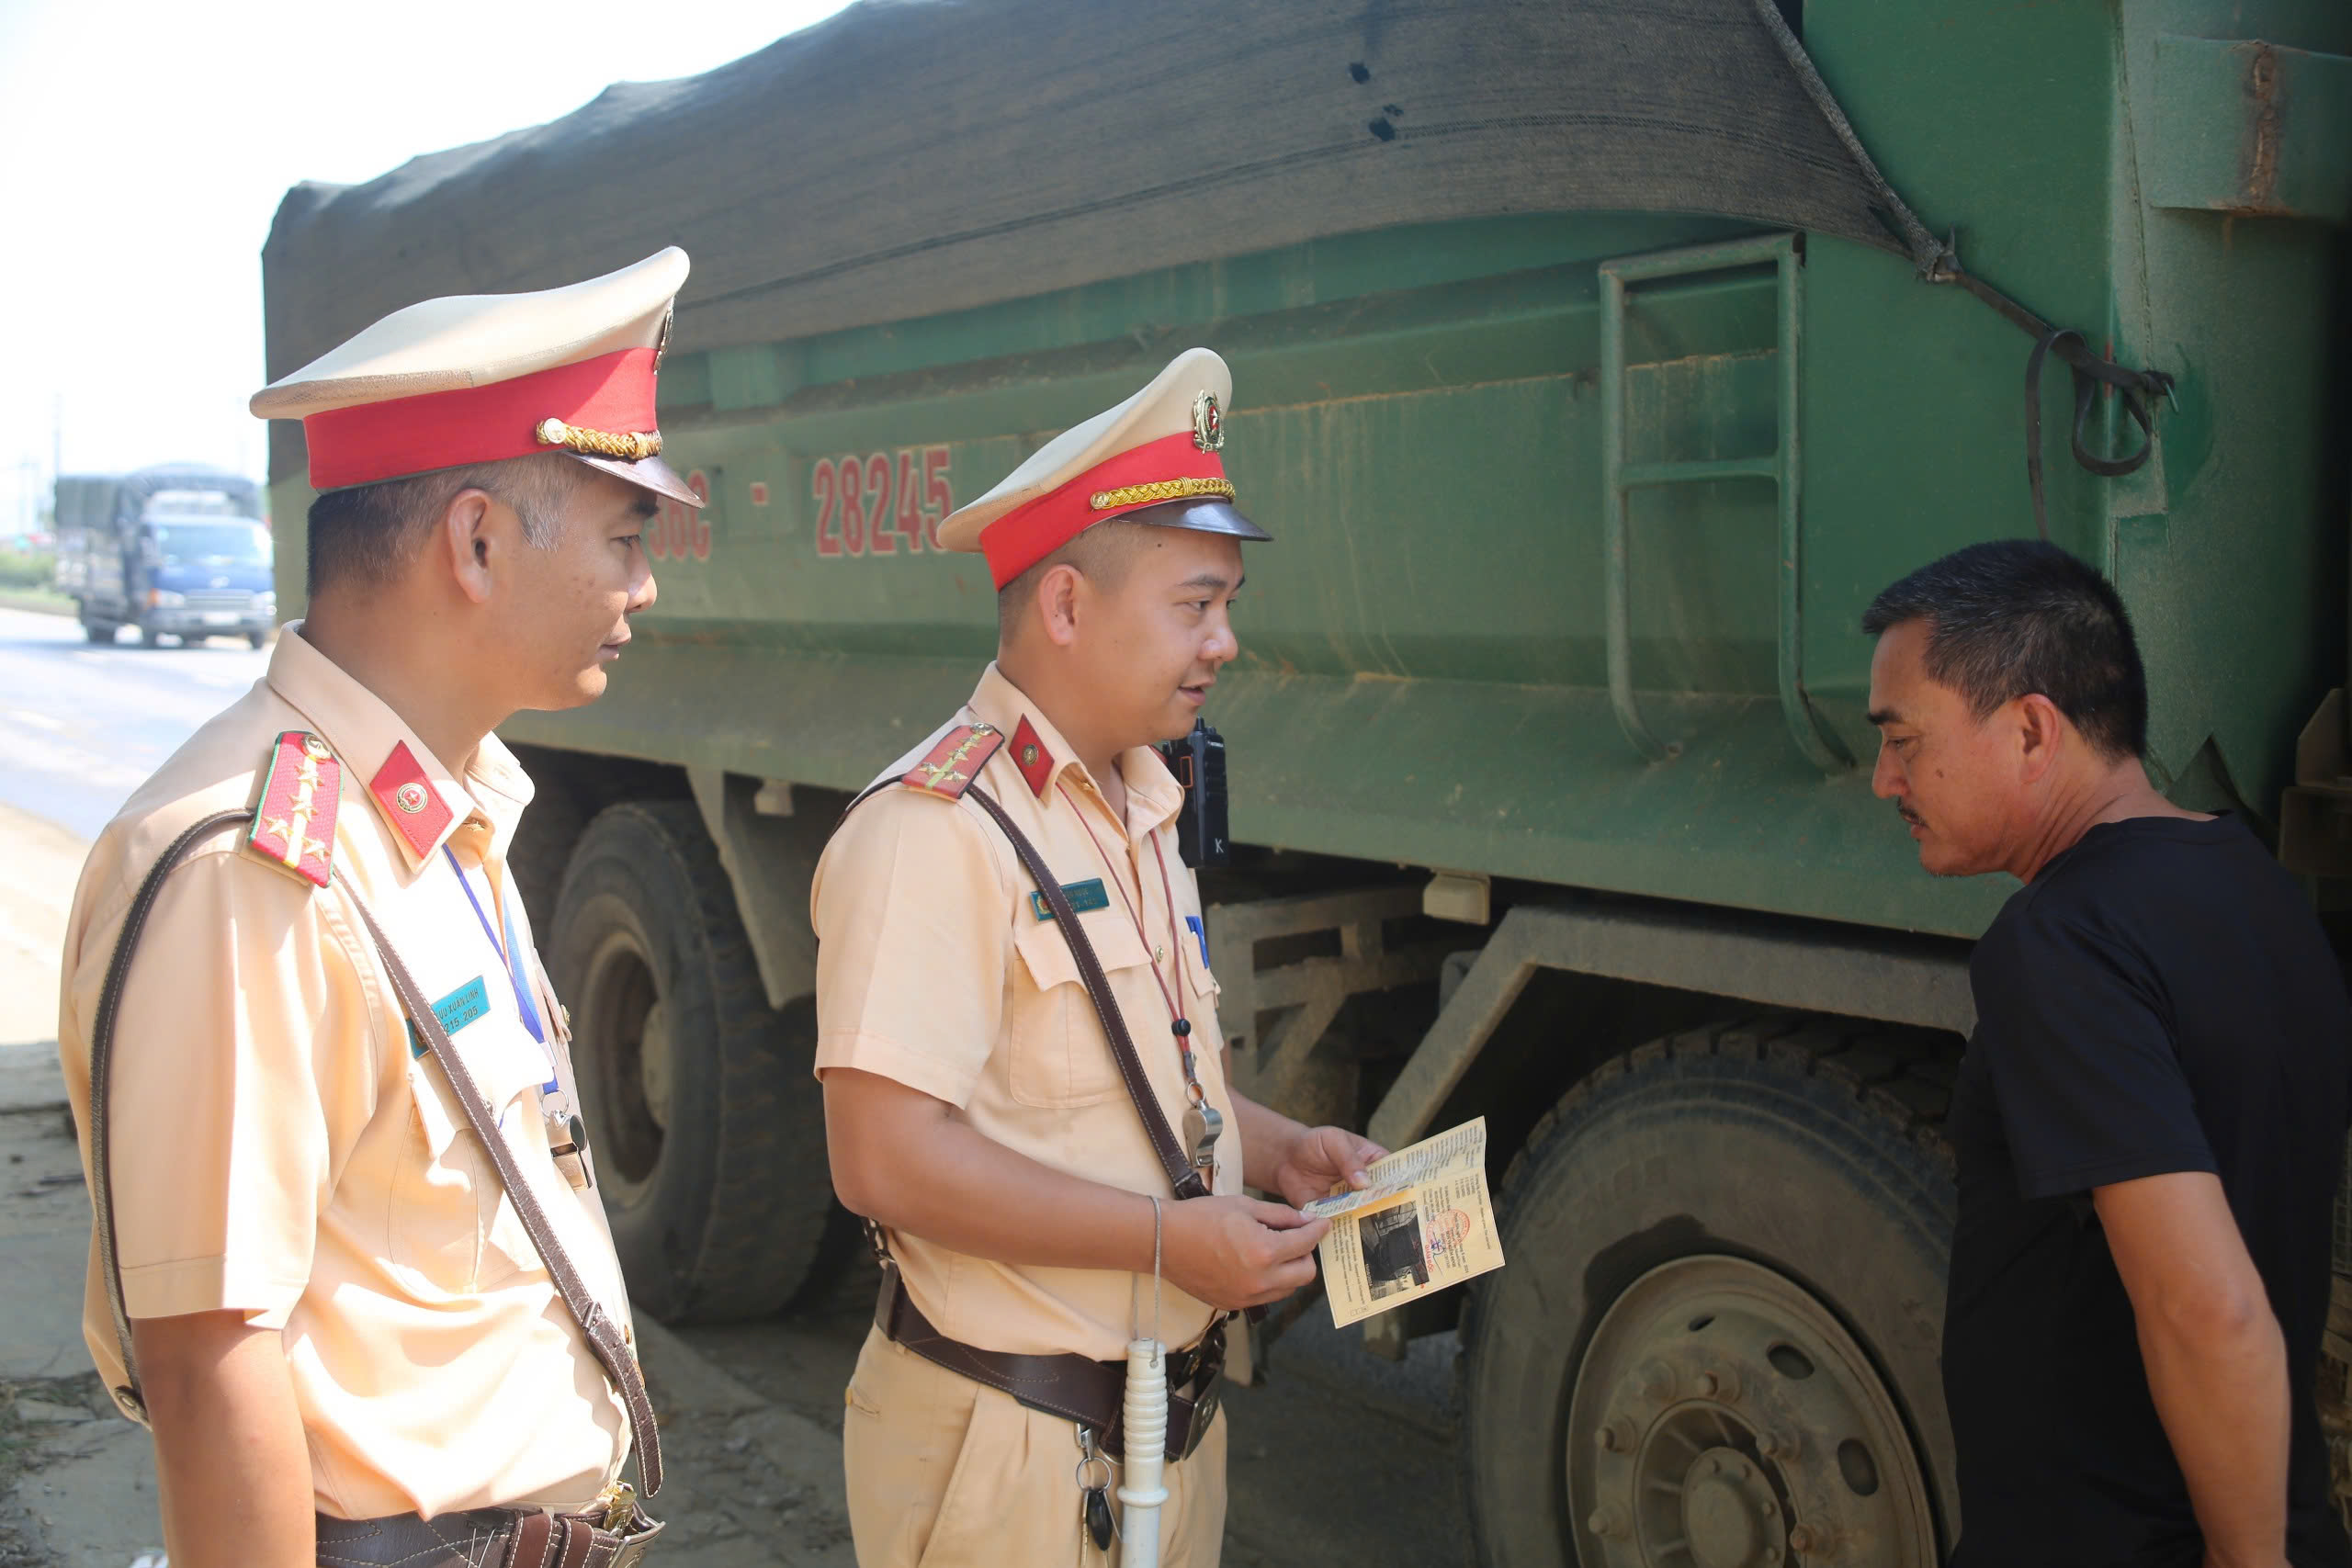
x=1186, y=1181
x=603, y=1338
x=603, y=1335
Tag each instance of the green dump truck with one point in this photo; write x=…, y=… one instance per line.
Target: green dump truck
x=1594, y=364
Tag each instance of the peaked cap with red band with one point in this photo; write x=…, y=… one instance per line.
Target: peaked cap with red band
x=1157, y=458
x=482, y=377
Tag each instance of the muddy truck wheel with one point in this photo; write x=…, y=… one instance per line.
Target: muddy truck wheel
x=541, y=853
x=706, y=1128
x=1715, y=1339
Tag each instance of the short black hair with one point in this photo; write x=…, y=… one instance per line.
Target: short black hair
x=1103, y=552
x=2012, y=616
x=366, y=533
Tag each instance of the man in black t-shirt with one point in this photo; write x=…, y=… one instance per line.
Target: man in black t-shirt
x=2150, y=1118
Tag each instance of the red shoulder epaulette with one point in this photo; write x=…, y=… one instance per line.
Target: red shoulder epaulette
x=955, y=761
x=294, y=825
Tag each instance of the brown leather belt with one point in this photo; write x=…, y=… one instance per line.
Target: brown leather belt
x=1078, y=1389
x=485, y=1538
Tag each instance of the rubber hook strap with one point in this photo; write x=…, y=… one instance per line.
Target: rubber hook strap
x=2091, y=371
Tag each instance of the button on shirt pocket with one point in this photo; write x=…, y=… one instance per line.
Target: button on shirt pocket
x=1059, y=1054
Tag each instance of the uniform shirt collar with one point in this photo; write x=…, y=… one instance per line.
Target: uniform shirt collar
x=381, y=754
x=1154, y=797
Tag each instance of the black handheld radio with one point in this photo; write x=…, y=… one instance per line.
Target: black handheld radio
x=1198, y=762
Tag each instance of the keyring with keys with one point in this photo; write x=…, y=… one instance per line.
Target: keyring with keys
x=1094, y=1499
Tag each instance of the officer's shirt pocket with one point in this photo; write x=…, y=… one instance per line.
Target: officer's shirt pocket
x=451, y=1220
x=1197, y=977
x=1060, y=1056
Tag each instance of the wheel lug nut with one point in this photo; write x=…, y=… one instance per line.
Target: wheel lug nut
x=1606, y=1521
x=1657, y=1381
x=1615, y=1435
x=1802, y=1539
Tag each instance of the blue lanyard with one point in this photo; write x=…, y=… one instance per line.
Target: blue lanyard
x=523, y=1003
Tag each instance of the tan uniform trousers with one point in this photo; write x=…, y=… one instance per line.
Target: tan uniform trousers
x=944, y=1472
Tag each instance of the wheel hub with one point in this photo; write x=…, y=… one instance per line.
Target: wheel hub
x=1721, y=1416
x=656, y=1067
x=628, y=1067
x=1729, y=1517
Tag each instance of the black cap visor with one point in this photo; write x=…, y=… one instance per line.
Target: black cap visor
x=1202, y=516
x=646, y=473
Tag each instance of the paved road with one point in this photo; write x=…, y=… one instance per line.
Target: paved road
x=81, y=725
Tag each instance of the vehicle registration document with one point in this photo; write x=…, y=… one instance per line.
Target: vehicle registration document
x=1425, y=1223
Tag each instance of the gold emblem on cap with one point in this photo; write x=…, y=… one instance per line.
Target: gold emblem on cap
x=1159, y=490
x=1208, y=428
x=629, y=446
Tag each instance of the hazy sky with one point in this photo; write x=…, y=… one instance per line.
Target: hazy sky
x=146, y=146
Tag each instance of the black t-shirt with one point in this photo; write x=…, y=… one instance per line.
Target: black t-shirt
x=2159, y=999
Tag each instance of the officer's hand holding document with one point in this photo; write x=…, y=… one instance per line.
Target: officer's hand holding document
x=1423, y=1224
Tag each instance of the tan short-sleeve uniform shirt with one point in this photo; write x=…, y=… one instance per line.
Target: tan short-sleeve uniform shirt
x=935, y=969
x=282, y=1147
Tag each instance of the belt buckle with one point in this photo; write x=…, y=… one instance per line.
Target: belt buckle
x=634, y=1548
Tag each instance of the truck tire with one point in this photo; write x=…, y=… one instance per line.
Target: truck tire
x=705, y=1125
x=1716, y=1339
x=98, y=631
x=541, y=849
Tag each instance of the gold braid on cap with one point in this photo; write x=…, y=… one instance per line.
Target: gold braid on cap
x=629, y=446
x=1161, y=490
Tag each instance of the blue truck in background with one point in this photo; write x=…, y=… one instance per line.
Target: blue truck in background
x=176, y=550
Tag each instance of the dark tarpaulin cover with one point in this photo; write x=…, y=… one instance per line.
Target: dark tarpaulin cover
x=113, y=501
x=909, y=157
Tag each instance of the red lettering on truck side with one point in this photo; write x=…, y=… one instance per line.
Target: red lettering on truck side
x=938, y=498
x=679, y=532
x=909, y=510
x=877, y=506
x=820, y=491
x=882, y=503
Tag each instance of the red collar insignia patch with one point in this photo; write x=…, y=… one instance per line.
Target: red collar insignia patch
x=294, y=824
x=1029, y=754
x=952, y=765
x=409, y=802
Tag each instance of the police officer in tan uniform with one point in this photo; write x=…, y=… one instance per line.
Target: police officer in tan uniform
x=978, y=1108
x=367, y=1323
